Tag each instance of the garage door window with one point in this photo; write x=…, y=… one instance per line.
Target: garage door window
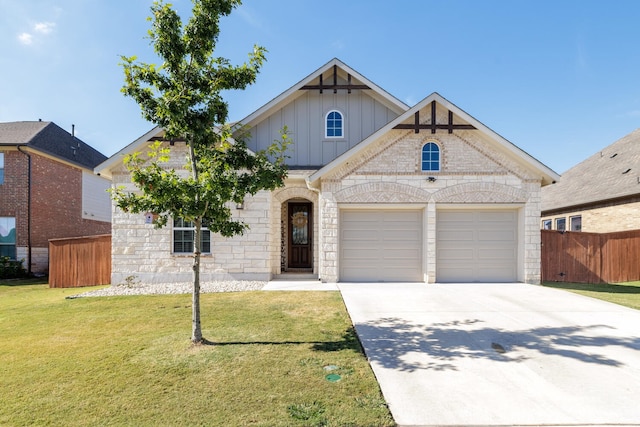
x=430, y=157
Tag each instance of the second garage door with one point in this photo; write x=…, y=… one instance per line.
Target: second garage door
x=476, y=246
x=381, y=245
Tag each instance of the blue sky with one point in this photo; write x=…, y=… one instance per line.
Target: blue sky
x=560, y=79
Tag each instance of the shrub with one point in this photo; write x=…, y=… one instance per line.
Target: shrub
x=11, y=269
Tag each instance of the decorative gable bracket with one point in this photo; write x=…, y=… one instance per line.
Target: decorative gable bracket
x=416, y=126
x=335, y=86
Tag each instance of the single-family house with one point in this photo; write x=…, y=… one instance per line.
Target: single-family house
x=599, y=195
x=47, y=190
x=377, y=191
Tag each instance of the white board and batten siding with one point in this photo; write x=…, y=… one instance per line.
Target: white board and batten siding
x=96, y=201
x=476, y=246
x=305, y=120
x=381, y=245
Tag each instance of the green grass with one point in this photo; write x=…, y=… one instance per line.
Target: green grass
x=627, y=294
x=128, y=361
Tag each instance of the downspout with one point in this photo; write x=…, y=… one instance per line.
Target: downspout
x=28, y=207
x=317, y=253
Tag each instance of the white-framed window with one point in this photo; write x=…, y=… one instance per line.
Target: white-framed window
x=184, y=237
x=8, y=237
x=561, y=224
x=431, y=157
x=575, y=223
x=546, y=224
x=334, y=124
x=1, y=168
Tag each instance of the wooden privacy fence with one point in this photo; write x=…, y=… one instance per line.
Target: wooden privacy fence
x=590, y=257
x=81, y=261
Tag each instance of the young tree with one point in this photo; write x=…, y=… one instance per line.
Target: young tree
x=183, y=96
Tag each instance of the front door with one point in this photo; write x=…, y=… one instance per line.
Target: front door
x=300, y=239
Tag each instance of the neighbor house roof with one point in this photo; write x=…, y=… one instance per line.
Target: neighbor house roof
x=547, y=175
x=610, y=174
x=48, y=138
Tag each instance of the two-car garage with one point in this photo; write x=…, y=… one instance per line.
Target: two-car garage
x=387, y=245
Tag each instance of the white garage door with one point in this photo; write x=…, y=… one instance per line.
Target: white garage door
x=476, y=246
x=381, y=246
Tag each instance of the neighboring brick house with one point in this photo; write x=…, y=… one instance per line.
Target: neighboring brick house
x=600, y=194
x=377, y=191
x=47, y=190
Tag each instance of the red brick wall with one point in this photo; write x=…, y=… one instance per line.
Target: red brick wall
x=13, y=192
x=56, y=203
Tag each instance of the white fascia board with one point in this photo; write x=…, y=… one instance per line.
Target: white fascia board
x=104, y=168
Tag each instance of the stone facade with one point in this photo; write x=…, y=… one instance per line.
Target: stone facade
x=378, y=169
x=389, y=174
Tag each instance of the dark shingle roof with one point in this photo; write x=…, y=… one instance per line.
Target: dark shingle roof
x=611, y=173
x=49, y=138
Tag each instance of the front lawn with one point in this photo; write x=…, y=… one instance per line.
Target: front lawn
x=627, y=294
x=128, y=361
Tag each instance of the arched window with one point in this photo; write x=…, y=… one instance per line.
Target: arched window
x=334, y=125
x=431, y=157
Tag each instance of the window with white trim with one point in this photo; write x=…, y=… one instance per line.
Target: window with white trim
x=334, y=124
x=546, y=224
x=184, y=237
x=1, y=168
x=8, y=237
x=575, y=222
x=431, y=157
x=561, y=224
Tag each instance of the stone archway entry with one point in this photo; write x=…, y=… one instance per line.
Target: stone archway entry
x=300, y=238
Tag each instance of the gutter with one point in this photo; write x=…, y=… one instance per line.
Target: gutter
x=19, y=147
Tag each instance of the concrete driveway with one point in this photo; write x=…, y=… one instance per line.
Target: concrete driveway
x=498, y=354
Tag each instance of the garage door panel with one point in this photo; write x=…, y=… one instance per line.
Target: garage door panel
x=505, y=236
x=456, y=254
x=476, y=246
x=502, y=255
x=380, y=245
x=457, y=235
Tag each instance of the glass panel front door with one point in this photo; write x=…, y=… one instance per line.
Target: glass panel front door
x=300, y=240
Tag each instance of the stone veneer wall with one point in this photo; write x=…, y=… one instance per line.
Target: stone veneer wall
x=142, y=253
x=293, y=190
x=472, y=173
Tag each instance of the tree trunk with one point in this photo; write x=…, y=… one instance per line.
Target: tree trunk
x=196, y=329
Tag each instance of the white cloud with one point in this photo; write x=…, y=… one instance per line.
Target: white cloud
x=39, y=28
x=25, y=38
x=44, y=27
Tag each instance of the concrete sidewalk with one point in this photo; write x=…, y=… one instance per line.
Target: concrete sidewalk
x=504, y=354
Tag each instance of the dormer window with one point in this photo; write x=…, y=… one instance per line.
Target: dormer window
x=334, y=125
x=431, y=157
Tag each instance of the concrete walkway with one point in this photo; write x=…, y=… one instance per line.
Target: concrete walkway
x=498, y=355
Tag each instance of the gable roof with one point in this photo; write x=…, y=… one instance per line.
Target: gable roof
x=327, y=69
x=547, y=175
x=48, y=138
x=612, y=173
x=104, y=168
x=285, y=97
